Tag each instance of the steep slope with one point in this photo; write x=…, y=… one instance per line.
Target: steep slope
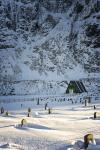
x=49, y=39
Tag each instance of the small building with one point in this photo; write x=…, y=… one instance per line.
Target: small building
x=76, y=87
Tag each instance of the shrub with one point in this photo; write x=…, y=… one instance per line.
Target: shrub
x=87, y=1
x=92, y=30
x=97, y=6
x=78, y=8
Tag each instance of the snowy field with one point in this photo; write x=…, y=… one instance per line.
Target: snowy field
x=63, y=129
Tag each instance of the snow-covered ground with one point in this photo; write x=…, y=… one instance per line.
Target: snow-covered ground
x=63, y=129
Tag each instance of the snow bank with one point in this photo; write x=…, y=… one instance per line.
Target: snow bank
x=10, y=146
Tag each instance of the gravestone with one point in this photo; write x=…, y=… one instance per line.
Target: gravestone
x=38, y=102
x=6, y=114
x=2, y=110
x=46, y=105
x=87, y=139
x=89, y=99
x=23, y=122
x=29, y=111
x=28, y=115
x=49, y=111
x=95, y=115
x=94, y=107
x=85, y=102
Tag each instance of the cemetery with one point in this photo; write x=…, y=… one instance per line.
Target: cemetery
x=49, y=74
x=66, y=123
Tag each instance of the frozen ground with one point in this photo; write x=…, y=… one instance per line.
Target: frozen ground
x=63, y=129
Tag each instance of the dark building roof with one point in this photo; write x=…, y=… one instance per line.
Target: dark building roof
x=78, y=87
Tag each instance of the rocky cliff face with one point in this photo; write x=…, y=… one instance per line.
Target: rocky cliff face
x=49, y=39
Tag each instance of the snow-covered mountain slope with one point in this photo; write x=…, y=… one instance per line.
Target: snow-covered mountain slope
x=49, y=39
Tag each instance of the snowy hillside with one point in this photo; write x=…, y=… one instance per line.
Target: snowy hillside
x=53, y=40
